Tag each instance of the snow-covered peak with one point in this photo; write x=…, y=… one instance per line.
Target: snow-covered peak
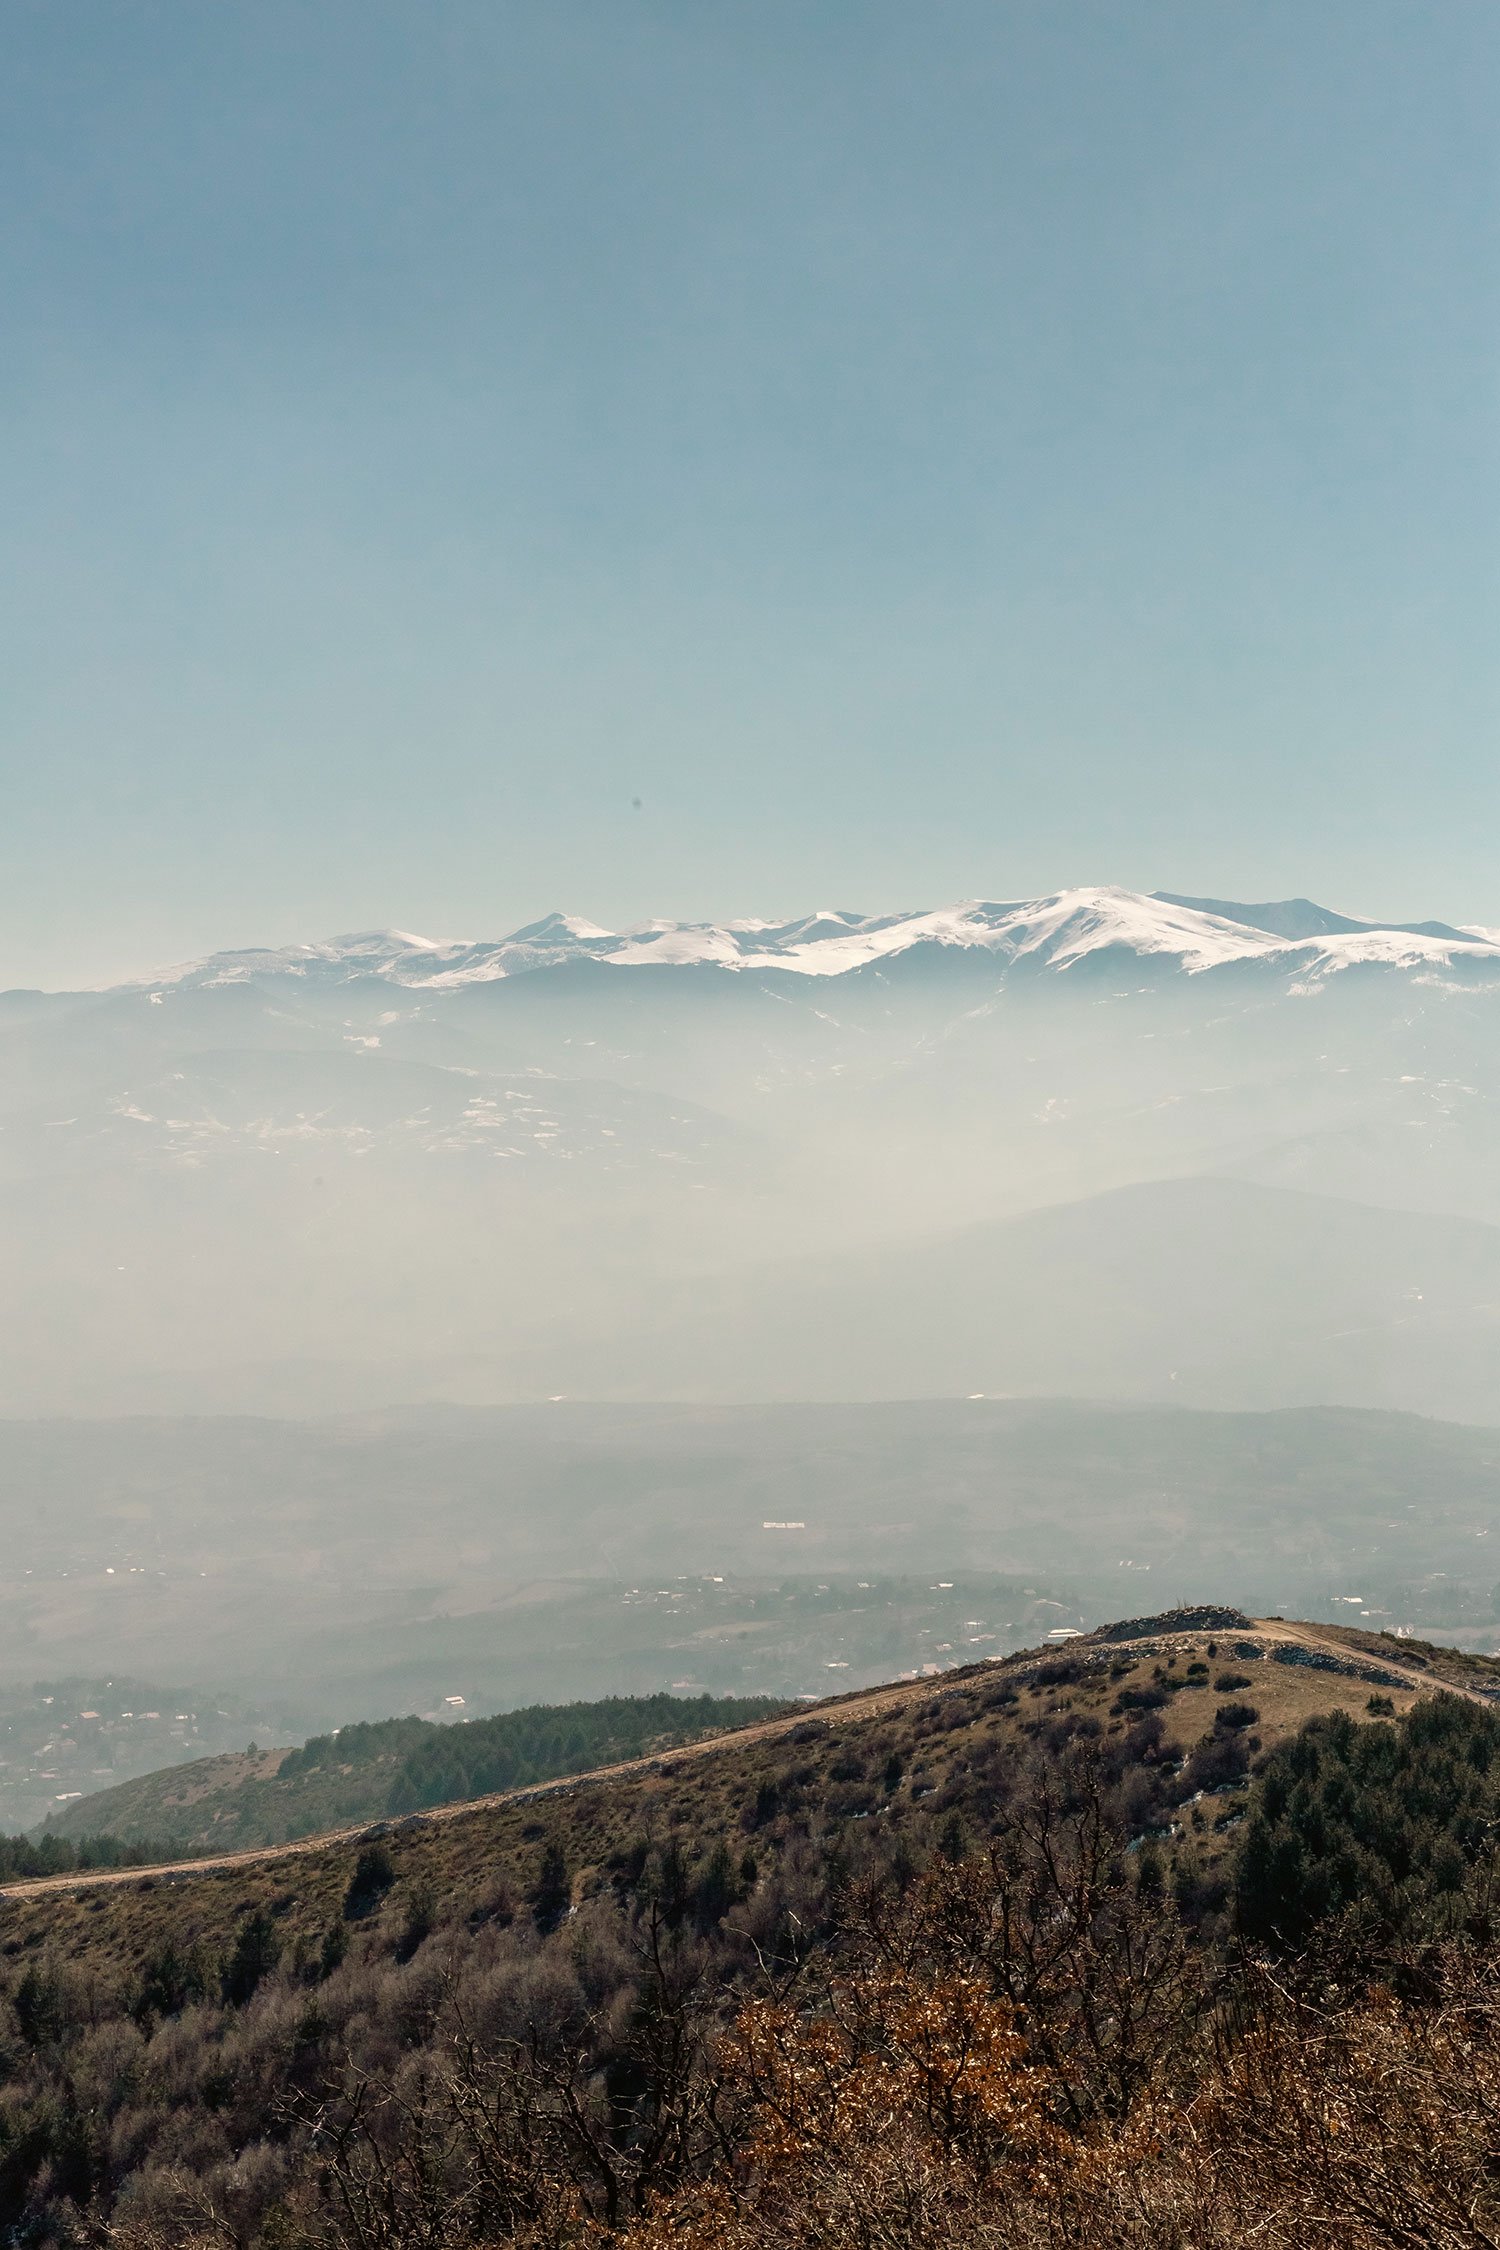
x=357, y=952
x=1397, y=949
x=556, y=929
x=1052, y=932
x=1053, y=935
x=1066, y=928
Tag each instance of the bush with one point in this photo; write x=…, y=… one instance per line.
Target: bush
x=1232, y=1716
x=1218, y=1762
x=1227, y=1682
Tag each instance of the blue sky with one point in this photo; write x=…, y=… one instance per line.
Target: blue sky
x=915, y=452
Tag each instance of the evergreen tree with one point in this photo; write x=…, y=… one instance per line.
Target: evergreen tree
x=716, y=1891
x=673, y=1890
x=256, y=1952
x=553, y=1894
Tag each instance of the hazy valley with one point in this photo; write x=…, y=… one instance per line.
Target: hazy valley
x=390, y=1321
x=718, y=1162
x=319, y=1572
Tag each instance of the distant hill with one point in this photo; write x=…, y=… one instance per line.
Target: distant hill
x=393, y=1766
x=1299, y=918
x=1204, y=1292
x=1234, y=1293
x=62, y=1739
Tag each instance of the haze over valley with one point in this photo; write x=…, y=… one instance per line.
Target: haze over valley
x=1009, y=1149
x=402, y=1325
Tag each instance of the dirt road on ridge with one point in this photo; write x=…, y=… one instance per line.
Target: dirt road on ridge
x=863, y=1703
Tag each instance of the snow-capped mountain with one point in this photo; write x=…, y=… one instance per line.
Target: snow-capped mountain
x=1059, y=933
x=395, y=1149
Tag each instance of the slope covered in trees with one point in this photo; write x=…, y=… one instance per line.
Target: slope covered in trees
x=973, y=1965
x=395, y=1766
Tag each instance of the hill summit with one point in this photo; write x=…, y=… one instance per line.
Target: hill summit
x=1053, y=1910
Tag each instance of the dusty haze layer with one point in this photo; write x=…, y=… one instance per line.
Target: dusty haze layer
x=1142, y=1148
x=377, y=1563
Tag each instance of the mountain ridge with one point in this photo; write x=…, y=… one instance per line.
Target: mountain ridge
x=1300, y=1667
x=1300, y=918
x=1055, y=931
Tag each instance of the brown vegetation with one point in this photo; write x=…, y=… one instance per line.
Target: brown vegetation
x=924, y=1968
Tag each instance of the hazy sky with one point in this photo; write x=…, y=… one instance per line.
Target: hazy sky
x=916, y=451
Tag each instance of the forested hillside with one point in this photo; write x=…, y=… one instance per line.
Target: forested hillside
x=1078, y=1947
x=394, y=1766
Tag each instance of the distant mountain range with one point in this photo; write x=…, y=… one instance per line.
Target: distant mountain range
x=732, y=1159
x=1060, y=932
